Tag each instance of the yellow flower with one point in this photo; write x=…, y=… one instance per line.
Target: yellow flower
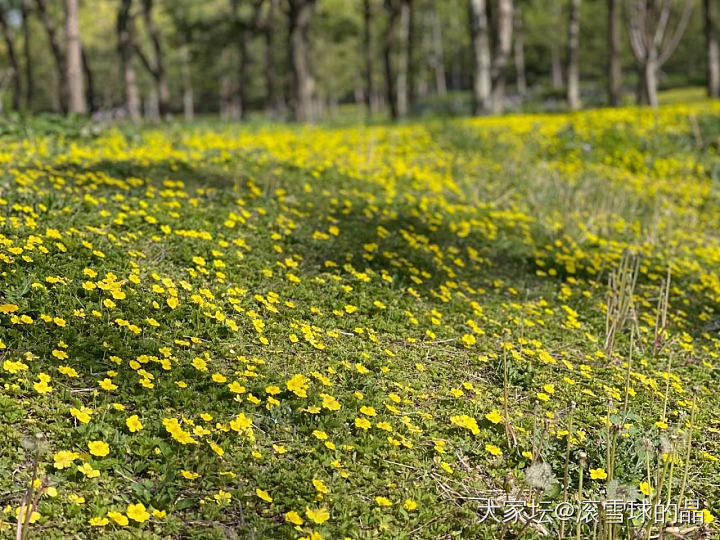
x=133, y=423
x=321, y=435
x=107, y=384
x=99, y=448
x=362, y=423
x=222, y=497
x=646, y=489
x=88, y=470
x=118, y=518
x=298, y=385
x=598, y=474
x=319, y=516
x=320, y=486
x=189, y=475
x=264, y=495
x=8, y=308
x=99, y=521
x=467, y=422
x=294, y=518
x=383, y=501
x=410, y=505
x=492, y=449
x=64, y=459
x=494, y=416
x=82, y=415
x=368, y=411
x=137, y=512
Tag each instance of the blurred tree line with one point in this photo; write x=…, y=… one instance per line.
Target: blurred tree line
x=302, y=59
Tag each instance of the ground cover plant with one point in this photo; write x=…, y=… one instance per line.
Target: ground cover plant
x=364, y=332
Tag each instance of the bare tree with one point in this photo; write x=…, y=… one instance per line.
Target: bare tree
x=614, y=65
x=437, y=56
x=367, y=52
x=25, y=9
x=125, y=48
x=389, y=45
x=573, y=69
x=267, y=26
x=713, y=54
x=519, y=50
x=501, y=55
x=404, y=58
x=62, y=87
x=652, y=42
x=186, y=75
x=409, y=52
x=90, y=98
x=481, y=55
x=160, y=95
x=73, y=59
x=299, y=16
x=241, y=34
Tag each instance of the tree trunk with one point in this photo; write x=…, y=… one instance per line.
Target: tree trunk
x=573, y=70
x=301, y=103
x=614, y=65
x=409, y=48
x=556, y=76
x=650, y=70
x=713, y=54
x=29, y=79
x=403, y=67
x=186, y=74
x=367, y=52
x=272, y=86
x=90, y=98
x=438, y=56
x=388, y=47
x=125, y=48
x=73, y=59
x=481, y=55
x=56, y=51
x=241, y=31
x=162, y=91
x=504, y=44
x=10, y=46
x=519, y=50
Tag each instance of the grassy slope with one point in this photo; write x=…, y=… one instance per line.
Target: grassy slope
x=423, y=271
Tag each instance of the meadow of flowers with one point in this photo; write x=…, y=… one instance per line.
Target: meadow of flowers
x=361, y=332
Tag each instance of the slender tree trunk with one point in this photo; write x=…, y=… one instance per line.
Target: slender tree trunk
x=481, y=55
x=504, y=44
x=90, y=97
x=367, y=51
x=389, y=46
x=409, y=47
x=519, y=50
x=573, y=69
x=614, y=65
x=125, y=48
x=650, y=71
x=272, y=86
x=713, y=54
x=403, y=68
x=56, y=51
x=10, y=46
x=556, y=76
x=301, y=103
x=186, y=74
x=438, y=56
x=242, y=41
x=29, y=79
x=73, y=60
x=162, y=91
